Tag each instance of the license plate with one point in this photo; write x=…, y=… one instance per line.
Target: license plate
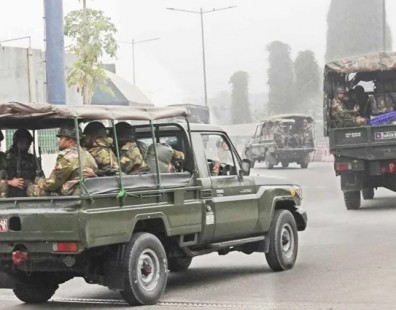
x=3, y=225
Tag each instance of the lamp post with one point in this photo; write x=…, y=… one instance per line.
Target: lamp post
x=383, y=25
x=201, y=12
x=133, y=42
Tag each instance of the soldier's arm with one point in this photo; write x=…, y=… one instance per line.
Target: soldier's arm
x=62, y=171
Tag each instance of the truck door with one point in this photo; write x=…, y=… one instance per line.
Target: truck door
x=235, y=201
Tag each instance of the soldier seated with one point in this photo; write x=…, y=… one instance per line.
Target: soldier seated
x=99, y=146
x=65, y=176
x=131, y=158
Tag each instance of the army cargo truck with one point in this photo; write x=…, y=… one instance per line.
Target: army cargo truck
x=284, y=139
x=127, y=232
x=359, y=119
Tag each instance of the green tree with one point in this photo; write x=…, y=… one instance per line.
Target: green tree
x=92, y=36
x=306, y=82
x=240, y=108
x=280, y=78
x=355, y=27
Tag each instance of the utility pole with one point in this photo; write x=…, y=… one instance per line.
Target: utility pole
x=133, y=43
x=384, y=25
x=201, y=12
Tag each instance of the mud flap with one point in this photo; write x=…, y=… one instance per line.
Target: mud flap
x=351, y=182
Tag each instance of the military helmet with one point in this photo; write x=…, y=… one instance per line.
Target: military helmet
x=69, y=131
x=340, y=89
x=95, y=129
x=124, y=130
x=22, y=134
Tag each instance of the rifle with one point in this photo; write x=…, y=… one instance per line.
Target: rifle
x=18, y=168
x=39, y=169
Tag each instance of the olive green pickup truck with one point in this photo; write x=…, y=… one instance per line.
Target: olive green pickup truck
x=127, y=232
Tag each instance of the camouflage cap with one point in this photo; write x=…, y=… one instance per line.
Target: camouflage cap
x=22, y=134
x=95, y=129
x=69, y=131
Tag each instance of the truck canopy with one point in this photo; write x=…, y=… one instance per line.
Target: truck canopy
x=44, y=115
x=383, y=61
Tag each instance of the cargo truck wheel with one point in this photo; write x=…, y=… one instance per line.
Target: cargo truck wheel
x=179, y=263
x=34, y=293
x=146, y=270
x=283, y=241
x=368, y=193
x=267, y=162
x=352, y=200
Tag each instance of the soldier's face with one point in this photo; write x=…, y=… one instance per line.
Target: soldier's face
x=23, y=145
x=64, y=143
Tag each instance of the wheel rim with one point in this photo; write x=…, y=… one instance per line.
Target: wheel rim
x=287, y=241
x=148, y=269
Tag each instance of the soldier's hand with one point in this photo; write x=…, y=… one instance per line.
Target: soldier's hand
x=17, y=182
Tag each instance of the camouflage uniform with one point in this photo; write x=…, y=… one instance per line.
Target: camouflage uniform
x=343, y=117
x=22, y=165
x=279, y=135
x=131, y=159
x=307, y=136
x=104, y=156
x=66, y=175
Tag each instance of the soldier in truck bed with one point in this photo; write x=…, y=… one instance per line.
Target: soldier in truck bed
x=22, y=167
x=344, y=111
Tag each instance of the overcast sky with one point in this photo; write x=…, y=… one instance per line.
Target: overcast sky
x=169, y=70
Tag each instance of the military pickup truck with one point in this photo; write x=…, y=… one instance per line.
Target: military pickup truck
x=127, y=231
x=292, y=143
x=359, y=119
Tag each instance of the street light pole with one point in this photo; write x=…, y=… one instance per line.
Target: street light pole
x=383, y=25
x=201, y=12
x=133, y=42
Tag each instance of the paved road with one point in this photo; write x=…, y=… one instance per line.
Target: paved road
x=347, y=260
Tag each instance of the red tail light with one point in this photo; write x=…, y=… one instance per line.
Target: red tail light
x=343, y=166
x=65, y=247
x=19, y=257
x=391, y=168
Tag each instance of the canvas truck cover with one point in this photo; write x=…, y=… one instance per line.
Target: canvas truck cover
x=23, y=115
x=384, y=61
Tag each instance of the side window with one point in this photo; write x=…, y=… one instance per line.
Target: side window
x=219, y=155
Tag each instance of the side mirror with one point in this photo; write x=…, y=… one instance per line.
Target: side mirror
x=245, y=167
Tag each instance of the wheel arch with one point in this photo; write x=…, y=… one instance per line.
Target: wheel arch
x=154, y=223
x=290, y=205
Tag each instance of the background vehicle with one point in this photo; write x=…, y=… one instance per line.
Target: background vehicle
x=365, y=156
x=126, y=231
x=263, y=146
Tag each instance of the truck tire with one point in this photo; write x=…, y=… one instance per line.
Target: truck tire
x=283, y=241
x=304, y=161
x=176, y=264
x=267, y=163
x=146, y=270
x=34, y=293
x=368, y=193
x=352, y=200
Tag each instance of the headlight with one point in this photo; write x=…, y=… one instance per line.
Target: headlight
x=296, y=190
